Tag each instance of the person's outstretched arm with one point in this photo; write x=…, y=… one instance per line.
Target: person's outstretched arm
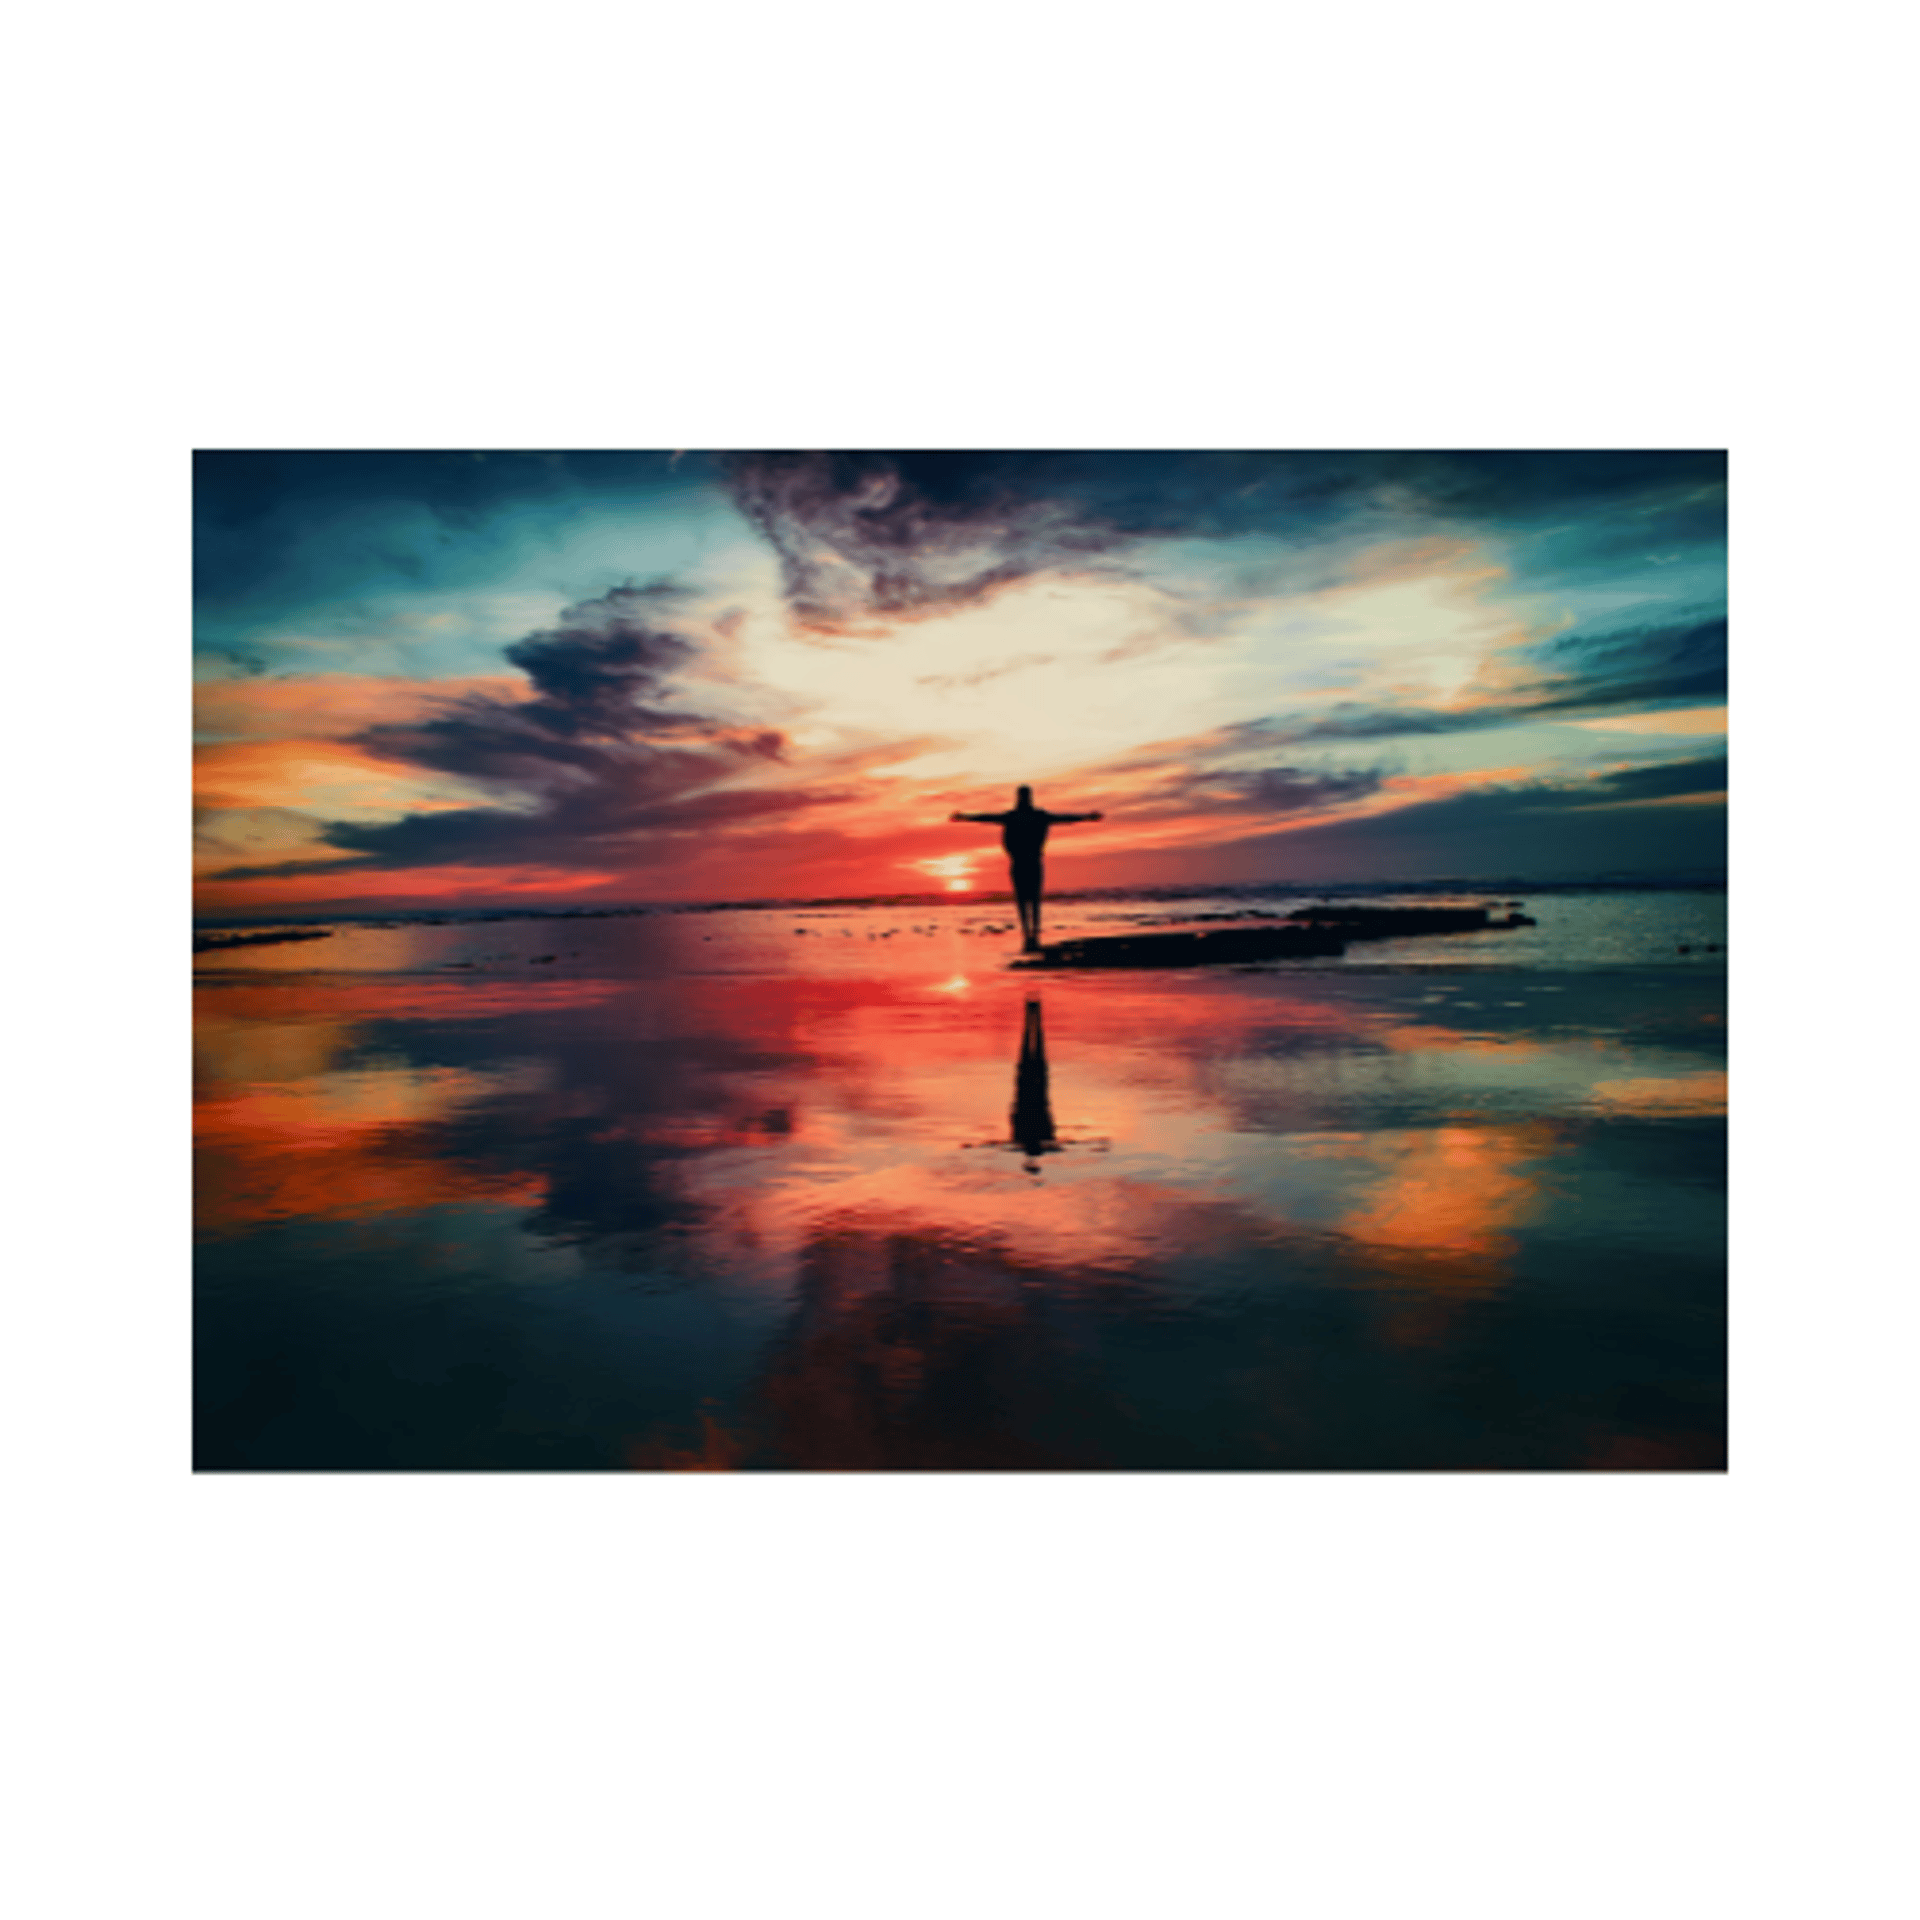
x=979, y=819
x=1068, y=819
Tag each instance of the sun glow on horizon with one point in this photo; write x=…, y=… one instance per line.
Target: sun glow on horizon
x=954, y=871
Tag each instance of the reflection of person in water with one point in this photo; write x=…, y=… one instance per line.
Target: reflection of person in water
x=1032, y=1117
x=1023, y=832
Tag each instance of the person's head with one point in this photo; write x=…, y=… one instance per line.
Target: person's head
x=1023, y=797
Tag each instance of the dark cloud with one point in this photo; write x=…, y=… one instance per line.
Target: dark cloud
x=1610, y=826
x=863, y=536
x=592, y=671
x=1179, y=781
x=583, y=829
x=1671, y=661
x=599, y=755
x=600, y=824
x=1646, y=667
x=1275, y=790
x=600, y=706
x=1630, y=786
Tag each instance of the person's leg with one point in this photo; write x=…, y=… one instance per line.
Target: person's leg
x=1026, y=894
x=1023, y=902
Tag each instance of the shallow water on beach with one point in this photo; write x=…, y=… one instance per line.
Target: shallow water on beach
x=837, y=1188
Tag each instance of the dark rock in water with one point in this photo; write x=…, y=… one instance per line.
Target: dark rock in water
x=1226, y=946
x=219, y=942
x=1387, y=923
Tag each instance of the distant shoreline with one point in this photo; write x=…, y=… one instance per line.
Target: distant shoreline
x=297, y=925
x=224, y=942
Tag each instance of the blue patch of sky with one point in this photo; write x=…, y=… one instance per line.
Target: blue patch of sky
x=1611, y=567
x=400, y=588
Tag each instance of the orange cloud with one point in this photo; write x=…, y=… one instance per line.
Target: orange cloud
x=411, y=886
x=331, y=706
x=323, y=776
x=1717, y=798
x=1671, y=720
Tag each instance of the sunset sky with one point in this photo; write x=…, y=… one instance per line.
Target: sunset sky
x=463, y=679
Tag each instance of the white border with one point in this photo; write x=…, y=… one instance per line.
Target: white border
x=1393, y=226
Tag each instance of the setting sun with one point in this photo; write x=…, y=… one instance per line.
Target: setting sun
x=953, y=870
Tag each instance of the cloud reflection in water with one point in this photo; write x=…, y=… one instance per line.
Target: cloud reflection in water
x=743, y=1218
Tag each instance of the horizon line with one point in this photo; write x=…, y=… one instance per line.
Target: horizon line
x=1706, y=879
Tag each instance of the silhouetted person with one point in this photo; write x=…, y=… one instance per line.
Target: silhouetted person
x=1032, y=1117
x=1023, y=832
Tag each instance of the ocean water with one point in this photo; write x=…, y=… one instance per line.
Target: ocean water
x=837, y=1187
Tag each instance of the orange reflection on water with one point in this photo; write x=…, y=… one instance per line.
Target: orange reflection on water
x=243, y=1184
x=241, y=1052
x=1441, y=1217
x=340, y=1146
x=913, y=1349
x=1414, y=1038
x=1673, y=1095
x=720, y=1450
x=1451, y=1189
